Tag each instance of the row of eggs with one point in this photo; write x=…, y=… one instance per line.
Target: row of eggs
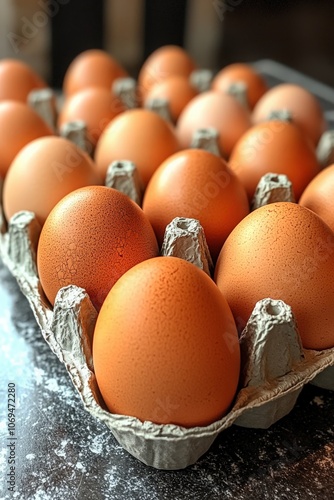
x=99, y=239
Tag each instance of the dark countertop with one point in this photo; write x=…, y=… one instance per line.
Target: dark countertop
x=62, y=452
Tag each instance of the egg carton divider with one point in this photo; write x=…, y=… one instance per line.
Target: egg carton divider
x=68, y=329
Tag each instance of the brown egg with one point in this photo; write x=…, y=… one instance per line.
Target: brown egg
x=282, y=251
x=96, y=106
x=42, y=173
x=239, y=72
x=278, y=147
x=164, y=62
x=19, y=124
x=165, y=346
x=214, y=109
x=92, y=68
x=319, y=195
x=304, y=107
x=17, y=80
x=197, y=184
x=90, y=238
x=177, y=90
x=138, y=135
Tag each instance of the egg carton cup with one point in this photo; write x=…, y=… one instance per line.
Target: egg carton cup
x=275, y=367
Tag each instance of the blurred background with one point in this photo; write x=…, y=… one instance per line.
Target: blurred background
x=48, y=34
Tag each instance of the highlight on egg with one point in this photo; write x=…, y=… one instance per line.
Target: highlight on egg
x=92, y=68
x=241, y=73
x=17, y=80
x=138, y=135
x=90, y=238
x=278, y=147
x=19, y=125
x=282, y=251
x=42, y=173
x=196, y=184
x=95, y=106
x=302, y=106
x=164, y=62
x=318, y=195
x=176, y=90
x=215, y=110
x=165, y=345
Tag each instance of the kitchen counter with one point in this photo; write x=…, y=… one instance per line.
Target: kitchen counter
x=62, y=452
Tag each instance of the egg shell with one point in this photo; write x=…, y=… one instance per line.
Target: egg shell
x=165, y=346
x=239, y=72
x=318, y=195
x=138, y=135
x=19, y=125
x=282, y=251
x=42, y=173
x=164, y=62
x=90, y=238
x=197, y=184
x=214, y=109
x=177, y=90
x=92, y=68
x=304, y=107
x=17, y=80
x=68, y=330
x=96, y=106
x=277, y=147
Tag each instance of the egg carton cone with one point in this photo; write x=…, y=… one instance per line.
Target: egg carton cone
x=159, y=105
x=44, y=102
x=207, y=139
x=268, y=387
x=126, y=90
x=201, y=79
x=271, y=189
x=325, y=149
x=76, y=132
x=123, y=176
x=277, y=187
x=239, y=91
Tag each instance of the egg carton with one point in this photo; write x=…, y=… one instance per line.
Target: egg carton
x=275, y=367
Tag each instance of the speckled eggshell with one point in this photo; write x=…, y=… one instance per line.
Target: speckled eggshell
x=282, y=251
x=42, y=173
x=19, y=124
x=276, y=147
x=197, y=184
x=214, y=109
x=138, y=135
x=165, y=346
x=304, y=107
x=91, y=237
x=239, y=72
x=318, y=195
x=17, y=80
x=96, y=106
